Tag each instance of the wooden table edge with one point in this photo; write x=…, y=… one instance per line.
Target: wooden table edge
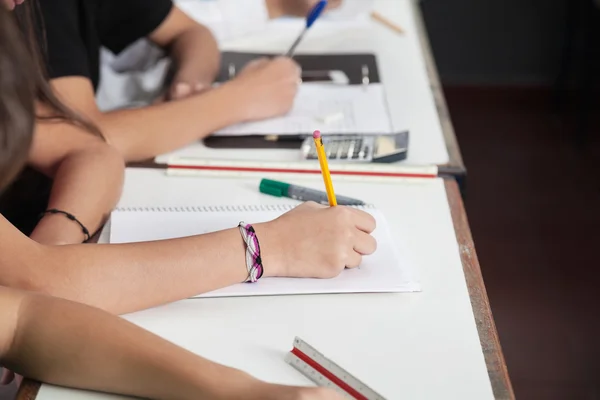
x=456, y=160
x=488, y=335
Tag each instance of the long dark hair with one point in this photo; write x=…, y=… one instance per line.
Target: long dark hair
x=17, y=95
x=31, y=24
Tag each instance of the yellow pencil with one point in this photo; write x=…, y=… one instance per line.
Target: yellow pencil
x=324, y=168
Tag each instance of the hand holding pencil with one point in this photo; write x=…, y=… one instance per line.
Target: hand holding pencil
x=324, y=240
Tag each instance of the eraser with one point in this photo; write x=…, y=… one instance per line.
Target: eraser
x=317, y=134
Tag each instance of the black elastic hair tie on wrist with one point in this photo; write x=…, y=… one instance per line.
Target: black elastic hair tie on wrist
x=70, y=216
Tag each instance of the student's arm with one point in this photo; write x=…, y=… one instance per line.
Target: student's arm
x=69, y=344
x=87, y=174
x=194, y=52
x=310, y=241
x=264, y=89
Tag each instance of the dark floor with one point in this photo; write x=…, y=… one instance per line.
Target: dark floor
x=533, y=201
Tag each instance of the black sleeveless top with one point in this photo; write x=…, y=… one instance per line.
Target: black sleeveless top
x=25, y=199
x=75, y=30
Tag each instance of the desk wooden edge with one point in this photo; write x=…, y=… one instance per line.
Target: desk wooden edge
x=456, y=160
x=488, y=335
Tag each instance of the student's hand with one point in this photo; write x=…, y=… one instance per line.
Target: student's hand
x=298, y=8
x=315, y=241
x=265, y=88
x=184, y=87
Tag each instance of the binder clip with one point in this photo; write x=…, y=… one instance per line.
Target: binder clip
x=366, y=79
x=231, y=70
x=335, y=77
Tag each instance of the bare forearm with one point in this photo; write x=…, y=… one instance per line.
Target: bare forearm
x=87, y=185
x=196, y=55
x=73, y=345
x=132, y=277
x=140, y=134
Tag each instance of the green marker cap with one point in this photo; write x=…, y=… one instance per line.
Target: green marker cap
x=274, y=188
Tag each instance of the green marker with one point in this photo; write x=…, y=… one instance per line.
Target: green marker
x=281, y=189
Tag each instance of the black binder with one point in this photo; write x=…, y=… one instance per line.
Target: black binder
x=360, y=69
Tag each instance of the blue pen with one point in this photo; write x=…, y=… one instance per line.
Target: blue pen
x=312, y=16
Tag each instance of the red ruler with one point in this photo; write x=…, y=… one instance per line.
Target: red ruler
x=324, y=372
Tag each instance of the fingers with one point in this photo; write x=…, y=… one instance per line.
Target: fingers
x=183, y=89
x=364, y=244
x=180, y=90
x=362, y=220
x=289, y=68
x=289, y=62
x=353, y=260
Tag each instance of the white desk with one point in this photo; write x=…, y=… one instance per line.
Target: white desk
x=406, y=68
x=414, y=346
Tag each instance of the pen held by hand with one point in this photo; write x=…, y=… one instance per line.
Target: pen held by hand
x=290, y=53
x=312, y=16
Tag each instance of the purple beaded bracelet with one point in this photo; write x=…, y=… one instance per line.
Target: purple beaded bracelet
x=253, y=259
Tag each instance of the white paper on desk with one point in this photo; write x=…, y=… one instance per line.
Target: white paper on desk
x=387, y=270
x=362, y=108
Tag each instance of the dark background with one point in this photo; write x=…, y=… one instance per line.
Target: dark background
x=496, y=42
x=533, y=186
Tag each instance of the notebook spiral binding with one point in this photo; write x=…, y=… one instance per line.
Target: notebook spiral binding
x=231, y=208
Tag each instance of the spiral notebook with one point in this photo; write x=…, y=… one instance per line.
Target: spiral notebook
x=387, y=270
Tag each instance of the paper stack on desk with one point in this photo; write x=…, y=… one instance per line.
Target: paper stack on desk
x=387, y=270
x=329, y=108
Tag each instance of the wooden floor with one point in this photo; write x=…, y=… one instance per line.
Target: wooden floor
x=533, y=200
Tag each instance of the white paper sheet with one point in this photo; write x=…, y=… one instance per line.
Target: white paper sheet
x=384, y=271
x=356, y=108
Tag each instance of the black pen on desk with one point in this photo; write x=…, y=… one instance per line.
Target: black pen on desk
x=281, y=189
x=312, y=16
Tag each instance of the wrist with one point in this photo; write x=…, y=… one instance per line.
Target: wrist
x=55, y=229
x=237, y=105
x=271, y=250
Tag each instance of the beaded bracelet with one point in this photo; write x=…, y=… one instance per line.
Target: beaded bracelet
x=253, y=259
x=86, y=233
